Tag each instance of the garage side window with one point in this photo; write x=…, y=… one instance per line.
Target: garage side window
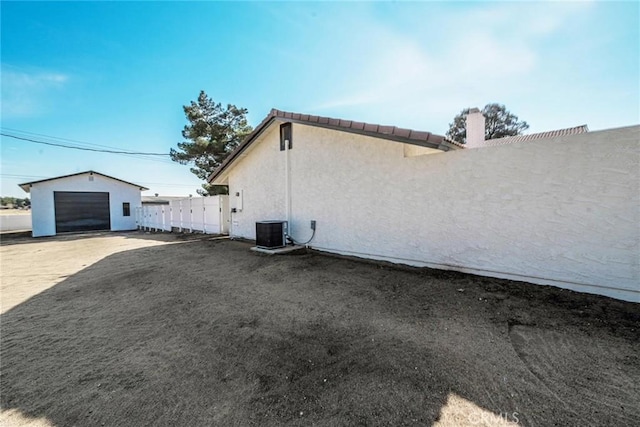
x=126, y=209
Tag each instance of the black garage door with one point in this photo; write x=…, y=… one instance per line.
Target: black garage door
x=81, y=211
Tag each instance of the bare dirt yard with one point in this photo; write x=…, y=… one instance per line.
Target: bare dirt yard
x=127, y=329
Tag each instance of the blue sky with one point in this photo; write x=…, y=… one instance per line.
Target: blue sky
x=116, y=74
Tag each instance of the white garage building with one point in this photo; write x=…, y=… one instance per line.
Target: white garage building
x=82, y=201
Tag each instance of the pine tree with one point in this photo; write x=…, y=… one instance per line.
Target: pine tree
x=212, y=133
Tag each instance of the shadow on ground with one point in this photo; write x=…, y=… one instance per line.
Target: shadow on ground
x=25, y=238
x=207, y=333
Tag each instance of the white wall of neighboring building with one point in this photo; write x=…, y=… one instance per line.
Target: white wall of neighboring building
x=17, y=222
x=563, y=211
x=43, y=208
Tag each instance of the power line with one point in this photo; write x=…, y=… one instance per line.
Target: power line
x=57, y=139
x=22, y=176
x=137, y=153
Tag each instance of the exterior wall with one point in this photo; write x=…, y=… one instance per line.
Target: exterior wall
x=43, y=208
x=562, y=211
x=259, y=179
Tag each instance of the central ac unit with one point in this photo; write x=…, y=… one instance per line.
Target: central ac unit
x=271, y=234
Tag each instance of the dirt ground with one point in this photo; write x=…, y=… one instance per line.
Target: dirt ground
x=131, y=329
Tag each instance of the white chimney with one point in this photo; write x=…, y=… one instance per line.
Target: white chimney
x=475, y=128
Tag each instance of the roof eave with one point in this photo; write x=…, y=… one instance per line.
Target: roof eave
x=242, y=147
x=433, y=141
x=26, y=185
x=435, y=144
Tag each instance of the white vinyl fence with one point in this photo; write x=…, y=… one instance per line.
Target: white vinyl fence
x=19, y=222
x=209, y=215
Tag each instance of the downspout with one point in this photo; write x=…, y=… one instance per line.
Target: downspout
x=285, y=141
x=287, y=186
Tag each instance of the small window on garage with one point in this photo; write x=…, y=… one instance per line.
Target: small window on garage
x=126, y=209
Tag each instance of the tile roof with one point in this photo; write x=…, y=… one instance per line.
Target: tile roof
x=27, y=185
x=525, y=138
x=393, y=133
x=455, y=143
x=380, y=131
x=533, y=136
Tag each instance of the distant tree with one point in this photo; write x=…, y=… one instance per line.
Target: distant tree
x=211, y=134
x=499, y=123
x=13, y=201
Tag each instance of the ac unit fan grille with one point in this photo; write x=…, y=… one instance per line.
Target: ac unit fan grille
x=271, y=234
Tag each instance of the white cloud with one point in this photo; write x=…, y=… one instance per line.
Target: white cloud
x=28, y=93
x=483, y=55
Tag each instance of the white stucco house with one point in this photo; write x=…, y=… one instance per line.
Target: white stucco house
x=559, y=208
x=82, y=202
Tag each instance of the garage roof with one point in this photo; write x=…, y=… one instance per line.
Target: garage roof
x=27, y=185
